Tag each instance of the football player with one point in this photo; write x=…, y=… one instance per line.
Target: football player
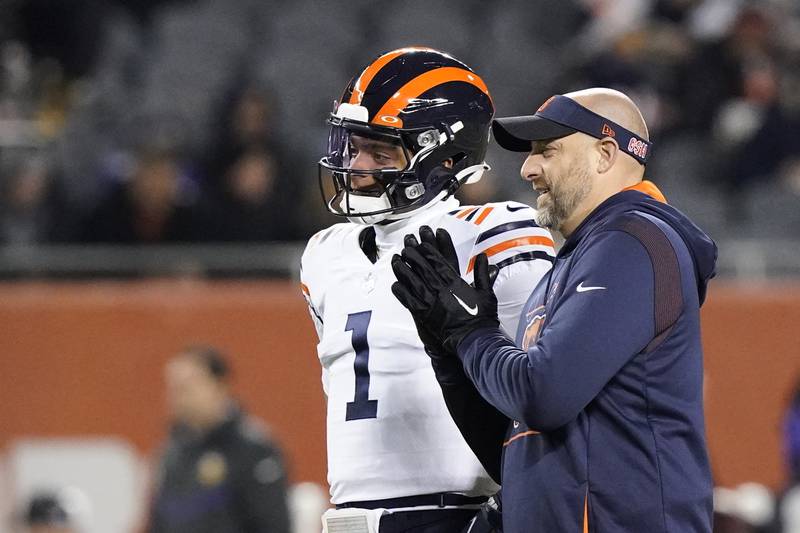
x=409, y=130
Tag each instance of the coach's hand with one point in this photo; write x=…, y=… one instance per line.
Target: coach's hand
x=445, y=307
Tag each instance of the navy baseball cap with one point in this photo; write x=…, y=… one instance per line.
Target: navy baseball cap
x=560, y=116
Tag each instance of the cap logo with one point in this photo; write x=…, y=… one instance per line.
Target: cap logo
x=637, y=147
x=607, y=131
x=545, y=104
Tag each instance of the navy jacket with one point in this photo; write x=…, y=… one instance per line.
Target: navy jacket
x=606, y=394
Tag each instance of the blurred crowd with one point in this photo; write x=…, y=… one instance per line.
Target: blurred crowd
x=166, y=121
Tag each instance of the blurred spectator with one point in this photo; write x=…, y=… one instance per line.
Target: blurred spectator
x=732, y=90
x=249, y=182
x=149, y=208
x=714, y=73
x=219, y=473
x=245, y=119
x=32, y=208
x=46, y=513
x=251, y=202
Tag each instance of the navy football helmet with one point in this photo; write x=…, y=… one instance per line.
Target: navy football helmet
x=431, y=105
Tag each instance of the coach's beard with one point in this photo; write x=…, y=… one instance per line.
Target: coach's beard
x=563, y=196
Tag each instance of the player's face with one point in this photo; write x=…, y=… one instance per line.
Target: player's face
x=373, y=154
x=558, y=172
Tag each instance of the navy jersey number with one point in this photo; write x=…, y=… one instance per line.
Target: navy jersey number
x=361, y=407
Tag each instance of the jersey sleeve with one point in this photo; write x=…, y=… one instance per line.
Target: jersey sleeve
x=307, y=267
x=589, y=336
x=523, y=252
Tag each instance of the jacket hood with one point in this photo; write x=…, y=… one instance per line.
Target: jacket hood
x=646, y=197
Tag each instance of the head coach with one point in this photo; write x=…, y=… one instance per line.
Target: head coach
x=602, y=387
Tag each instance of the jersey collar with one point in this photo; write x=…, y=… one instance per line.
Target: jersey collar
x=391, y=235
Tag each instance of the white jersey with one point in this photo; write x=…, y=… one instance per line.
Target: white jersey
x=388, y=430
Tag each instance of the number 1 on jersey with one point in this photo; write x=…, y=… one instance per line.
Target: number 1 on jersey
x=361, y=407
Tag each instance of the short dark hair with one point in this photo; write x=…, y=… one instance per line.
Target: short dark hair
x=210, y=358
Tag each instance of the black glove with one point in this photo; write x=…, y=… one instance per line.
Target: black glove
x=446, y=366
x=445, y=307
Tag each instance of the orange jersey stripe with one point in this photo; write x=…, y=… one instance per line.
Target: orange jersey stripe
x=480, y=218
x=304, y=288
x=649, y=188
x=520, y=435
x=466, y=212
x=419, y=85
x=511, y=243
x=370, y=72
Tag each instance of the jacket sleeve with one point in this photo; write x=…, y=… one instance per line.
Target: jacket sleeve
x=602, y=318
x=480, y=423
x=263, y=493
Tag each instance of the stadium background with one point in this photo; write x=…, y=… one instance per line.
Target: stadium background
x=208, y=117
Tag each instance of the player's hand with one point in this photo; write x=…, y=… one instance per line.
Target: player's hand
x=446, y=366
x=430, y=287
x=433, y=345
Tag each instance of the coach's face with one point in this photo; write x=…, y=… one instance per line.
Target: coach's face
x=559, y=172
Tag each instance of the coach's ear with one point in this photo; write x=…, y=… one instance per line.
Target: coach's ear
x=608, y=151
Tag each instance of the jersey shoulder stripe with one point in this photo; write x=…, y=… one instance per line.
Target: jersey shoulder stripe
x=525, y=256
x=505, y=227
x=493, y=212
x=509, y=234
x=508, y=248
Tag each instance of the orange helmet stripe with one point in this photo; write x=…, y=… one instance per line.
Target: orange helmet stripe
x=419, y=85
x=363, y=81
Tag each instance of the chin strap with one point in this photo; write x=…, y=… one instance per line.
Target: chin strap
x=472, y=174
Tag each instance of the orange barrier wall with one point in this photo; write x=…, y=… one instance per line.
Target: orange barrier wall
x=87, y=359
x=81, y=359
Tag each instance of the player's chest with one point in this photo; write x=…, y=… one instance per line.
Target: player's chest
x=356, y=283
x=357, y=299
